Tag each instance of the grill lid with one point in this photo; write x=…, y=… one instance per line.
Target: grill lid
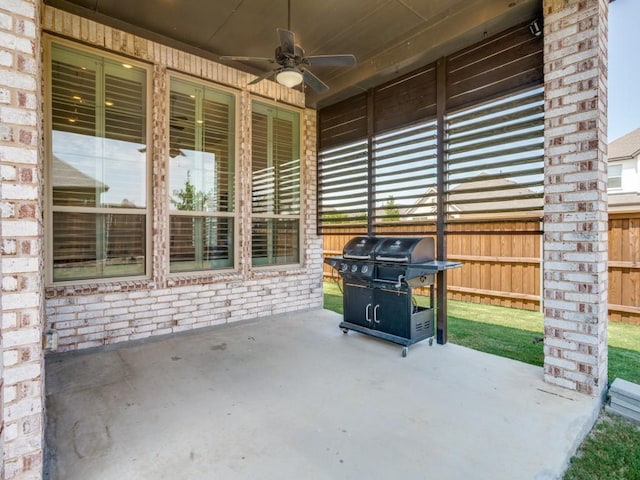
x=405, y=250
x=360, y=248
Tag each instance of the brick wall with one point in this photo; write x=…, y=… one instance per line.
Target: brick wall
x=22, y=374
x=98, y=314
x=575, y=212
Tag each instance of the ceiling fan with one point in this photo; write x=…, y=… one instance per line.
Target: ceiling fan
x=291, y=62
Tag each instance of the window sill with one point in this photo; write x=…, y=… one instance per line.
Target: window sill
x=70, y=290
x=278, y=270
x=192, y=278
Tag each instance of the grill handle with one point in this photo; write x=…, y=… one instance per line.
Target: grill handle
x=393, y=259
x=375, y=314
x=356, y=257
x=366, y=313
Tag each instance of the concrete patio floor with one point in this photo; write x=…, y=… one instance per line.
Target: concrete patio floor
x=291, y=396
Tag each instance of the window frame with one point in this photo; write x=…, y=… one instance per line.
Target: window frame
x=619, y=188
x=48, y=42
x=265, y=103
x=235, y=214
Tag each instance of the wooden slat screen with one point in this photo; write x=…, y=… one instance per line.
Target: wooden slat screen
x=343, y=187
x=343, y=123
x=506, y=63
x=493, y=119
x=408, y=99
x=495, y=158
x=404, y=176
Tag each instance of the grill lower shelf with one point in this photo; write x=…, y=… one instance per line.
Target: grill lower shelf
x=386, y=313
x=423, y=329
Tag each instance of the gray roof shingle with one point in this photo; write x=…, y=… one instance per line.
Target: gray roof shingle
x=625, y=146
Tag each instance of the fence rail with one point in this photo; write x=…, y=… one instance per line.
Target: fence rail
x=505, y=268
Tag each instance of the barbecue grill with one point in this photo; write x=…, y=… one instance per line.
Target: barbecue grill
x=380, y=274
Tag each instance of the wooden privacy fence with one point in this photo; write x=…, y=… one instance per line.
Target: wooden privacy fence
x=502, y=262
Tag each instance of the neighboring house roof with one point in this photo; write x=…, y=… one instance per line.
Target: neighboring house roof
x=496, y=188
x=626, y=146
x=66, y=176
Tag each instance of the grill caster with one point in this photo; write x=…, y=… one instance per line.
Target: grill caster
x=345, y=330
x=430, y=342
x=405, y=350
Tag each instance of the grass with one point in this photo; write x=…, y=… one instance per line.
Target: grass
x=510, y=333
x=612, y=449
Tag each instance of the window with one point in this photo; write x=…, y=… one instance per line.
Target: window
x=201, y=177
x=98, y=166
x=615, y=177
x=275, y=186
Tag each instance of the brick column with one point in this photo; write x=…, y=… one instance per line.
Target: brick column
x=575, y=194
x=21, y=239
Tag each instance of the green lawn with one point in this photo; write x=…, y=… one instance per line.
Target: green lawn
x=511, y=333
x=611, y=451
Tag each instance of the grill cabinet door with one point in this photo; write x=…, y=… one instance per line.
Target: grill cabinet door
x=358, y=304
x=392, y=312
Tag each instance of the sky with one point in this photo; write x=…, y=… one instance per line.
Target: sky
x=624, y=67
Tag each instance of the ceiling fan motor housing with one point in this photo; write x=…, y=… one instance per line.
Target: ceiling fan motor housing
x=286, y=59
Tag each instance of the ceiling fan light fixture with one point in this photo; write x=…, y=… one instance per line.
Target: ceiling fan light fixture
x=289, y=77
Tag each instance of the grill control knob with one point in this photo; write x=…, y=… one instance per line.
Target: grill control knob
x=354, y=268
x=365, y=268
x=343, y=267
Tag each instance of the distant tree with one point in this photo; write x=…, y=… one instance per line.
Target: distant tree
x=391, y=211
x=189, y=198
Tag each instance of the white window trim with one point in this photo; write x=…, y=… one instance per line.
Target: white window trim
x=615, y=189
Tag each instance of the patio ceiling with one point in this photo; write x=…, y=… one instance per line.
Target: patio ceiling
x=388, y=37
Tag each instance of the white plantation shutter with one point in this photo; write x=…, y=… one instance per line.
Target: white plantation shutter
x=275, y=186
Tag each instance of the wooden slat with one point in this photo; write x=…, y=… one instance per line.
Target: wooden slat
x=343, y=122
x=629, y=265
x=407, y=99
x=492, y=258
x=493, y=45
x=504, y=63
x=498, y=87
x=494, y=293
x=624, y=308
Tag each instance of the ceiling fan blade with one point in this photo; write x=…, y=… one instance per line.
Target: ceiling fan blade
x=247, y=59
x=287, y=41
x=264, y=76
x=314, y=82
x=330, y=60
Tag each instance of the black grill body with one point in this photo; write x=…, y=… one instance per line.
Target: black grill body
x=380, y=274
